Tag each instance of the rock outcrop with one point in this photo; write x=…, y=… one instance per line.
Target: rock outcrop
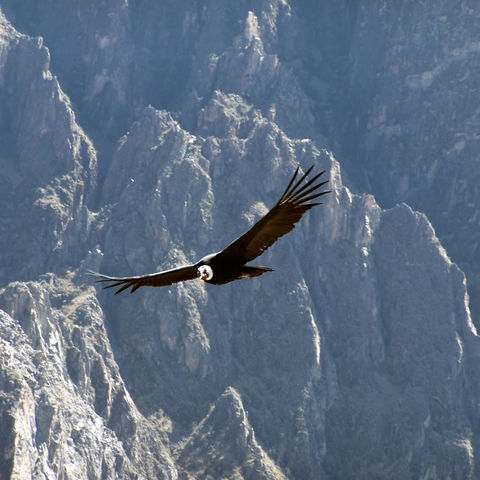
x=223, y=444
x=64, y=406
x=164, y=133
x=48, y=168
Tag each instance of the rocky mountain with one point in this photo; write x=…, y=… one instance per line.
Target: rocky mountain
x=142, y=135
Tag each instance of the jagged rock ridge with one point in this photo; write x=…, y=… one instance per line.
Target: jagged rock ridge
x=354, y=359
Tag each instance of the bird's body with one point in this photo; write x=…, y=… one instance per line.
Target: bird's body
x=225, y=270
x=231, y=263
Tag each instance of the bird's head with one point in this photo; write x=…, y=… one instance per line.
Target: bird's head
x=205, y=272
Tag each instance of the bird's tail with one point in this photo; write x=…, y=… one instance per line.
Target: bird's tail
x=249, y=271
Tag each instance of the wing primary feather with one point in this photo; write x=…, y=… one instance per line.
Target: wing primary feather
x=290, y=183
x=100, y=278
x=293, y=185
x=116, y=284
x=134, y=287
x=125, y=283
x=124, y=287
x=279, y=220
x=157, y=279
x=308, y=184
x=299, y=182
x=299, y=197
x=311, y=197
x=310, y=181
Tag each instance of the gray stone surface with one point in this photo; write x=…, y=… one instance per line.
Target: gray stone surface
x=65, y=410
x=48, y=166
x=223, y=445
x=142, y=135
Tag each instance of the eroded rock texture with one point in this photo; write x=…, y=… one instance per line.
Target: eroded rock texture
x=142, y=135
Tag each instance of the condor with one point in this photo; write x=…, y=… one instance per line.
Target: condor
x=230, y=264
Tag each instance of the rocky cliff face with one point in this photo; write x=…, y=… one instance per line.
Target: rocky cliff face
x=418, y=134
x=162, y=134
x=48, y=168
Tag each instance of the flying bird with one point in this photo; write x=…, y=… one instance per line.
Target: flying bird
x=230, y=263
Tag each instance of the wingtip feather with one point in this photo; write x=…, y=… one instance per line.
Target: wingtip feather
x=290, y=182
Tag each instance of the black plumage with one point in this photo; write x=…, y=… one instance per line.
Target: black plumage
x=230, y=264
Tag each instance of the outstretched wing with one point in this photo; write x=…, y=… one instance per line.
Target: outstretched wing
x=159, y=279
x=279, y=220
